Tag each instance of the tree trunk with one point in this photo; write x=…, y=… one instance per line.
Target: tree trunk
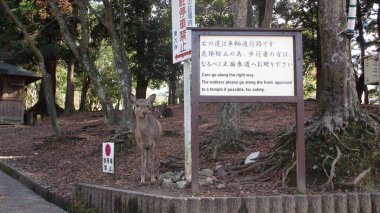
x=338, y=94
x=47, y=81
x=142, y=86
x=51, y=69
x=360, y=86
x=82, y=55
x=267, y=14
x=120, y=57
x=229, y=130
x=172, y=86
x=250, y=14
x=69, y=99
x=318, y=62
x=84, y=106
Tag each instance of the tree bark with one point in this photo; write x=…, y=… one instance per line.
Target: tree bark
x=69, y=99
x=172, y=86
x=81, y=54
x=229, y=130
x=120, y=60
x=338, y=94
x=268, y=12
x=51, y=69
x=47, y=82
x=141, y=87
x=360, y=86
x=83, y=106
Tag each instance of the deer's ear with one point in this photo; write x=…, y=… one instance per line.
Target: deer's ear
x=151, y=98
x=132, y=98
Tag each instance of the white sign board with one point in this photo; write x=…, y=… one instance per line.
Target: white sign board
x=183, y=15
x=108, y=157
x=370, y=70
x=246, y=65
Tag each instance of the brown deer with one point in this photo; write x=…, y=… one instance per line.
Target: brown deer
x=164, y=111
x=147, y=133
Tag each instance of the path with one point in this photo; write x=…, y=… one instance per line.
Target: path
x=17, y=198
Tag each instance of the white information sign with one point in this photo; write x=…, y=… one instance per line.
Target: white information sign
x=108, y=157
x=370, y=70
x=183, y=15
x=246, y=65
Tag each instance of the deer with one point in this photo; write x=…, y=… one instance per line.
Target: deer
x=148, y=132
x=164, y=111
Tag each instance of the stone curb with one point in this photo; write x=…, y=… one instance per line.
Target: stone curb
x=110, y=200
x=35, y=187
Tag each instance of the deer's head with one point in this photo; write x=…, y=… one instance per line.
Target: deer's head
x=142, y=107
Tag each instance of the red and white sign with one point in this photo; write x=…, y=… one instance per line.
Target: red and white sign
x=108, y=157
x=183, y=15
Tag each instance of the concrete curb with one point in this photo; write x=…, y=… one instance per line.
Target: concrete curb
x=108, y=199
x=35, y=187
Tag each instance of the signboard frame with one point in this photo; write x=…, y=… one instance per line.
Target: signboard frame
x=297, y=98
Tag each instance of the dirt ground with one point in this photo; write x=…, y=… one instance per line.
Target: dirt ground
x=59, y=165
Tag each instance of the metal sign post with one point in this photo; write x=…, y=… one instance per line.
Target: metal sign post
x=247, y=65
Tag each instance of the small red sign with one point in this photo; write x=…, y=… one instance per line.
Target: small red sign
x=108, y=150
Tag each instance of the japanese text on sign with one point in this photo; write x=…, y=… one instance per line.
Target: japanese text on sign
x=246, y=66
x=108, y=157
x=370, y=70
x=183, y=15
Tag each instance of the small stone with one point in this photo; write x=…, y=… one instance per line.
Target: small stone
x=177, y=177
x=206, y=173
x=221, y=172
x=163, y=176
x=181, y=184
x=168, y=184
x=218, y=167
x=205, y=181
x=220, y=186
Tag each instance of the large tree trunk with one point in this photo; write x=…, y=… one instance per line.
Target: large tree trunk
x=141, y=87
x=51, y=69
x=84, y=106
x=69, y=98
x=360, y=86
x=120, y=60
x=229, y=129
x=172, y=99
x=338, y=94
x=266, y=20
x=82, y=55
x=47, y=81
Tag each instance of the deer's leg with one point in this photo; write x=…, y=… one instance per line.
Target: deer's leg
x=143, y=164
x=151, y=164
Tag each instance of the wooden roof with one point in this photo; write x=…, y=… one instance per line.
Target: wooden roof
x=12, y=70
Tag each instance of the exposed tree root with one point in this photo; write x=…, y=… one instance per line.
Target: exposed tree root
x=357, y=179
x=332, y=169
x=330, y=135
x=124, y=137
x=286, y=173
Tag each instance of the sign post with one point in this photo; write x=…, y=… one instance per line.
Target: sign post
x=108, y=157
x=247, y=65
x=183, y=16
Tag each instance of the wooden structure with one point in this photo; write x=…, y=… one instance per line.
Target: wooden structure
x=242, y=65
x=13, y=80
